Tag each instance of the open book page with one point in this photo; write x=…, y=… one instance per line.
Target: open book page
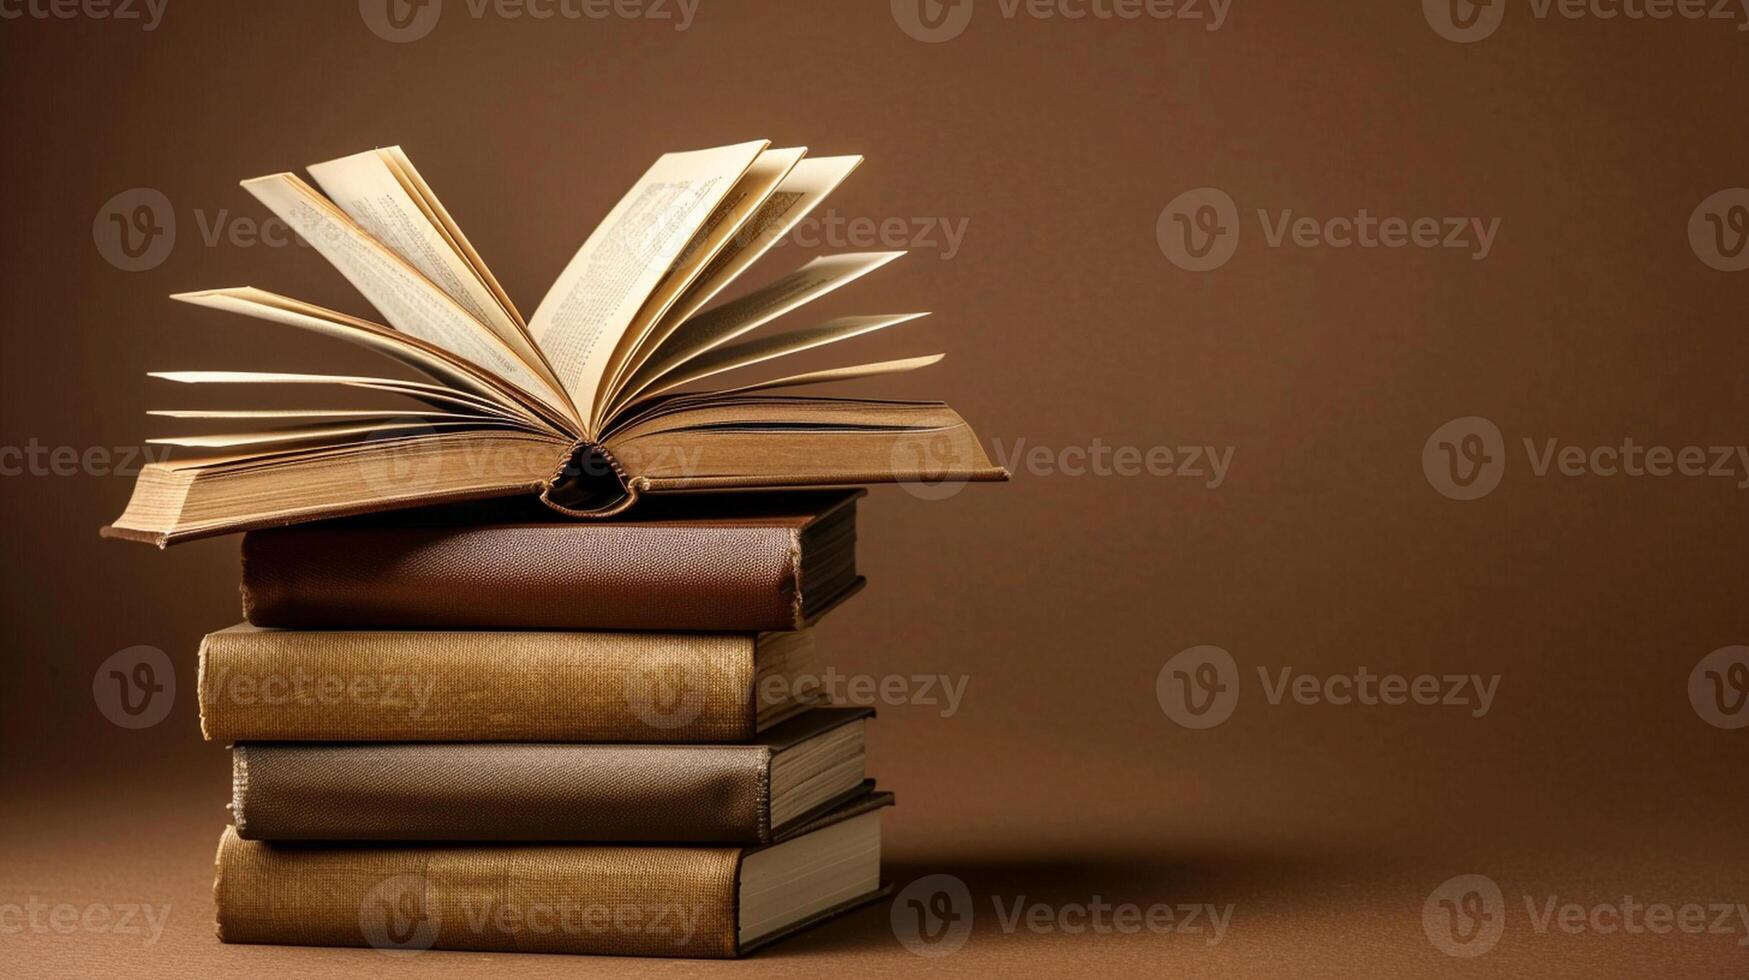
x=322, y=433
x=272, y=484
x=721, y=228
x=409, y=301
x=436, y=396
x=763, y=349
x=777, y=442
x=795, y=198
x=580, y=322
x=732, y=319
x=402, y=165
x=854, y=372
x=438, y=364
x=318, y=414
x=379, y=190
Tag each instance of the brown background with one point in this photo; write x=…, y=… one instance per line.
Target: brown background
x=1060, y=598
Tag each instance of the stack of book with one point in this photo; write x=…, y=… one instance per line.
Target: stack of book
x=503, y=732
x=579, y=729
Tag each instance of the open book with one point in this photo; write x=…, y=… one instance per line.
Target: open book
x=600, y=397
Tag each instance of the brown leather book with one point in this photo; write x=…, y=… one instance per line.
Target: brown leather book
x=543, y=791
x=499, y=686
x=724, y=563
x=707, y=902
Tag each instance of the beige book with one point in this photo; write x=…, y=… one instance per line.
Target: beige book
x=600, y=397
x=621, y=900
x=499, y=686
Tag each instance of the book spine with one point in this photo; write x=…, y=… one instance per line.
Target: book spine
x=503, y=791
x=628, y=577
x=623, y=901
x=477, y=686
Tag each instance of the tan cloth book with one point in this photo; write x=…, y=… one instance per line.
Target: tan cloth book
x=614, y=389
x=498, y=686
x=670, y=901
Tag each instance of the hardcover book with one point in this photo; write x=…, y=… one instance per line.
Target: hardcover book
x=602, y=396
x=531, y=791
x=498, y=686
x=679, y=901
x=735, y=563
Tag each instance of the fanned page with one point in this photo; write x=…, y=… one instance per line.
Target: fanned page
x=766, y=349
x=608, y=358
x=755, y=187
x=730, y=320
x=806, y=185
x=380, y=190
x=405, y=297
x=436, y=396
x=580, y=322
x=428, y=359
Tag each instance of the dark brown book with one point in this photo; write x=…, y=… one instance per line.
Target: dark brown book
x=522, y=791
x=676, y=901
x=725, y=563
